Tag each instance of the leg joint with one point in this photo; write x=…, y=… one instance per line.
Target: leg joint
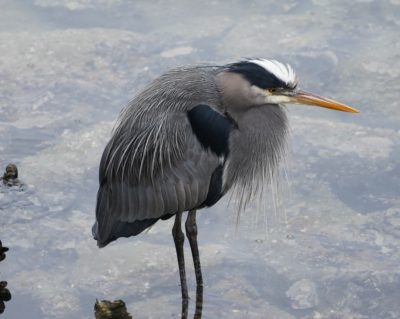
x=190, y=225
x=191, y=230
x=178, y=235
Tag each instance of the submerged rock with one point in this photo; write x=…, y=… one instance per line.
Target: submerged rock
x=302, y=294
x=116, y=309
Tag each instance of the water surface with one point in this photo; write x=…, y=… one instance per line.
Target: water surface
x=331, y=247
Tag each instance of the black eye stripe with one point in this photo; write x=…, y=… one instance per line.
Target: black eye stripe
x=257, y=75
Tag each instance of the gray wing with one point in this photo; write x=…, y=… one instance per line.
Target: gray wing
x=157, y=182
x=157, y=164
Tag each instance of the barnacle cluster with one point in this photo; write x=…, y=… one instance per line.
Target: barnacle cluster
x=10, y=176
x=116, y=309
x=5, y=294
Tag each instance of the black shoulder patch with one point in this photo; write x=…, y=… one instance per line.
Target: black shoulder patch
x=211, y=128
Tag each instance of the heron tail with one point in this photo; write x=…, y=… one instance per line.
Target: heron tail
x=107, y=227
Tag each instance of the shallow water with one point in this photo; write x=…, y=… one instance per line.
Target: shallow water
x=331, y=247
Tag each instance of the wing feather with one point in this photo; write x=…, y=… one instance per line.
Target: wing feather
x=179, y=188
x=154, y=165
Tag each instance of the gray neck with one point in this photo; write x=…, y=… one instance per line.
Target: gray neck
x=258, y=145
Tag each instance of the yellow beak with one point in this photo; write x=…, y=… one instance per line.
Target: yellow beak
x=302, y=97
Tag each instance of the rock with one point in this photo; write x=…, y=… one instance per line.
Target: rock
x=3, y=251
x=302, y=294
x=111, y=310
x=5, y=295
x=10, y=177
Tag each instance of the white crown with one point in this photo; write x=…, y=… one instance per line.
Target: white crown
x=282, y=71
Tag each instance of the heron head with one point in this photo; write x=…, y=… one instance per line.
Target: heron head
x=272, y=82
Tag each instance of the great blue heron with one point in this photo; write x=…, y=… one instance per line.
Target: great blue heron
x=186, y=139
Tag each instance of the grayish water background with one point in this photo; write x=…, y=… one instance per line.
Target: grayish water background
x=331, y=249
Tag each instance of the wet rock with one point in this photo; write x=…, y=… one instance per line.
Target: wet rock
x=116, y=309
x=10, y=176
x=3, y=251
x=302, y=294
x=5, y=295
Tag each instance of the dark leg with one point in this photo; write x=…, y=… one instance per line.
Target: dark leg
x=191, y=233
x=179, y=239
